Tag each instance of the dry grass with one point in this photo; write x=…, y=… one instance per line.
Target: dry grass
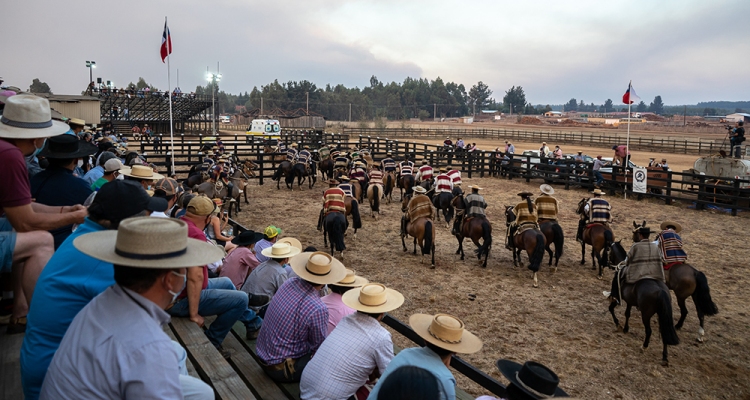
x=564, y=323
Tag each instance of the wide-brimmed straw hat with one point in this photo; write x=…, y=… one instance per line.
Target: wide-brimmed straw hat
x=318, y=267
x=373, y=298
x=445, y=331
x=676, y=225
x=352, y=279
x=344, y=178
x=332, y=182
x=146, y=242
x=419, y=189
x=292, y=242
x=142, y=172
x=532, y=378
x=76, y=121
x=67, y=146
x=475, y=187
x=547, y=189
x=29, y=117
x=597, y=192
x=280, y=250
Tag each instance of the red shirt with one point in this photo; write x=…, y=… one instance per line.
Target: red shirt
x=15, y=190
x=195, y=233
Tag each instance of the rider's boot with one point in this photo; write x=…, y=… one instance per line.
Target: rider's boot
x=508, y=239
x=579, y=234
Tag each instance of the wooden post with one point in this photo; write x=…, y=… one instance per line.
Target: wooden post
x=259, y=157
x=736, y=196
x=668, y=190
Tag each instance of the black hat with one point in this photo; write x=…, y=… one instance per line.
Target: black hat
x=67, y=146
x=247, y=238
x=120, y=199
x=532, y=378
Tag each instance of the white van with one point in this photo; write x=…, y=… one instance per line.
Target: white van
x=265, y=128
x=224, y=119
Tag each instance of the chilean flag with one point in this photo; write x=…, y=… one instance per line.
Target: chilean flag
x=628, y=98
x=166, y=43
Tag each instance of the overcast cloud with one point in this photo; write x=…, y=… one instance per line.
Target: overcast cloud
x=686, y=51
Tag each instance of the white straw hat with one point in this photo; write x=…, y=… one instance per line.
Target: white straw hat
x=373, y=298
x=141, y=172
x=445, y=331
x=318, y=267
x=29, y=117
x=352, y=279
x=280, y=250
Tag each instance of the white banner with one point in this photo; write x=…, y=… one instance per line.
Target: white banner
x=640, y=176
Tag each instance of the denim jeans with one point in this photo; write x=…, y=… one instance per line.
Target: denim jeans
x=229, y=305
x=599, y=177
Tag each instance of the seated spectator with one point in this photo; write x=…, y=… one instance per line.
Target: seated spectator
x=216, y=296
x=295, y=324
x=72, y=279
x=270, y=235
x=141, y=174
x=530, y=381
x=56, y=186
x=269, y=275
x=25, y=244
x=111, y=171
x=241, y=261
x=410, y=383
x=215, y=228
x=336, y=307
x=356, y=351
x=184, y=201
x=444, y=336
x=116, y=347
x=97, y=172
x=168, y=189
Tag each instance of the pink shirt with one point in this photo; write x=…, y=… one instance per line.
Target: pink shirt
x=336, y=310
x=620, y=151
x=238, y=264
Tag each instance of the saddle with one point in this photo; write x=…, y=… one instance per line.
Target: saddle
x=525, y=227
x=593, y=224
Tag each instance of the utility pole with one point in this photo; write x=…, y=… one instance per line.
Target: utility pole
x=511, y=109
x=307, y=103
x=261, y=106
x=350, y=112
x=434, y=111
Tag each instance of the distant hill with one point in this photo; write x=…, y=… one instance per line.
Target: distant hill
x=728, y=105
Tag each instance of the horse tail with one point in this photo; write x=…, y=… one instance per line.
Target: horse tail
x=559, y=239
x=449, y=206
x=355, y=214
x=609, y=238
x=666, y=323
x=486, y=239
x=427, y=237
x=538, y=255
x=702, y=295
x=376, y=200
x=336, y=231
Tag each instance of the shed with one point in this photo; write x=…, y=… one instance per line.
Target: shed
x=737, y=117
x=75, y=106
x=553, y=114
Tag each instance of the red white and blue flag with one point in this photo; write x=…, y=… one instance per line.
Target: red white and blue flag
x=629, y=97
x=166, y=43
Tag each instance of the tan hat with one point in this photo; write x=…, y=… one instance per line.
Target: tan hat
x=547, y=189
x=373, y=298
x=318, y=267
x=666, y=224
x=113, y=164
x=76, y=121
x=146, y=242
x=294, y=145
x=475, y=187
x=419, y=189
x=352, y=279
x=445, y=331
x=29, y=117
x=597, y=192
x=170, y=186
x=292, y=242
x=201, y=205
x=443, y=169
x=142, y=172
x=281, y=249
x=344, y=178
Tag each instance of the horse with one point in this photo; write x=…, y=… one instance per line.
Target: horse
x=356, y=189
x=285, y=169
x=334, y=226
x=531, y=240
x=422, y=230
x=352, y=208
x=374, y=193
x=209, y=189
x=390, y=183
x=599, y=237
x=443, y=201
x=406, y=183
x=473, y=228
x=553, y=233
x=301, y=173
x=195, y=178
x=651, y=297
x=274, y=155
x=326, y=168
x=684, y=280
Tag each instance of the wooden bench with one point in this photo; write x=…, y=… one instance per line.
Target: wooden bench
x=10, y=366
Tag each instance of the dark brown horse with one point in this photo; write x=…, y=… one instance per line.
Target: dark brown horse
x=599, y=237
x=422, y=230
x=651, y=297
x=406, y=184
x=531, y=240
x=475, y=228
x=389, y=180
x=686, y=281
x=284, y=169
x=554, y=235
x=274, y=155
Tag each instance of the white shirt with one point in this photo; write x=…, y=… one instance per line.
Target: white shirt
x=159, y=214
x=347, y=357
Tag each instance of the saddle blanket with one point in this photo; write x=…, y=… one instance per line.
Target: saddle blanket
x=593, y=224
x=633, y=275
x=670, y=265
x=525, y=227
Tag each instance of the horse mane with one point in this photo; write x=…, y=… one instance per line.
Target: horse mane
x=530, y=204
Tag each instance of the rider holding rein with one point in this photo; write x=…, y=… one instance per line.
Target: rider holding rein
x=424, y=173
x=291, y=153
x=525, y=212
x=644, y=260
x=443, y=182
x=419, y=206
x=346, y=186
x=546, y=205
x=670, y=244
x=597, y=210
x=388, y=164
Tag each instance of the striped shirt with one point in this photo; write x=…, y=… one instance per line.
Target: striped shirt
x=333, y=201
x=295, y=323
x=376, y=177
x=670, y=246
x=347, y=188
x=406, y=170
x=599, y=210
x=357, y=173
x=291, y=154
x=341, y=162
x=388, y=164
x=475, y=205
x=455, y=176
x=443, y=183
x=425, y=173
x=303, y=157
x=546, y=207
x=522, y=213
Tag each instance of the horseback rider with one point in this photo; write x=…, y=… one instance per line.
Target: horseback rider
x=424, y=173
x=354, y=155
x=376, y=176
x=443, y=182
x=358, y=172
x=644, y=259
x=546, y=205
x=455, y=176
x=405, y=167
x=208, y=164
x=334, y=152
x=346, y=186
x=341, y=162
x=670, y=244
x=525, y=212
x=304, y=157
x=291, y=153
x=333, y=198
x=474, y=206
x=419, y=206
x=597, y=210
x=280, y=146
x=388, y=164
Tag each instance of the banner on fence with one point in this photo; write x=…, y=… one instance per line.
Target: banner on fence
x=640, y=176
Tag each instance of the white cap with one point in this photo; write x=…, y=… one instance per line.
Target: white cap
x=112, y=164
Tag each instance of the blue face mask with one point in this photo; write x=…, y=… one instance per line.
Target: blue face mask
x=37, y=150
x=177, y=293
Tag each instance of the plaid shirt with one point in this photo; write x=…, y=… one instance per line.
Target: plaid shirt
x=295, y=323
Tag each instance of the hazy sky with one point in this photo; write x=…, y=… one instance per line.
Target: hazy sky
x=686, y=51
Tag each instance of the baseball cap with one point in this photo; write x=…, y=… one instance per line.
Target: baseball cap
x=201, y=205
x=169, y=186
x=112, y=165
x=272, y=231
x=118, y=200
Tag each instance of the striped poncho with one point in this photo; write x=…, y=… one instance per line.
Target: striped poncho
x=546, y=207
x=419, y=206
x=670, y=247
x=333, y=201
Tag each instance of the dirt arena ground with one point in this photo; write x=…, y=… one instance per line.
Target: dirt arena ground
x=564, y=323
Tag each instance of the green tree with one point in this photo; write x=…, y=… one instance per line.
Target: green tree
x=608, y=106
x=571, y=105
x=709, y=111
x=38, y=86
x=641, y=107
x=516, y=98
x=656, y=107
x=479, y=96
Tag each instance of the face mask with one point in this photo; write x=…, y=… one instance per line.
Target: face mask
x=37, y=150
x=177, y=293
x=80, y=163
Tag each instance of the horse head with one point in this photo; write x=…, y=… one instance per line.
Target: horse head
x=510, y=216
x=618, y=253
x=636, y=229
x=581, y=205
x=405, y=203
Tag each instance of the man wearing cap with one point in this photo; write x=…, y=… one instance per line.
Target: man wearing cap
x=419, y=206
x=295, y=322
x=598, y=164
x=546, y=205
x=358, y=349
x=525, y=212
x=168, y=189
x=269, y=275
x=597, y=210
x=71, y=279
x=97, y=172
x=291, y=153
x=530, y=381
x=670, y=244
x=111, y=172
x=444, y=336
x=116, y=346
x=270, y=236
x=424, y=173
x=388, y=164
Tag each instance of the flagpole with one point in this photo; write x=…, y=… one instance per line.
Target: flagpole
x=627, y=142
x=169, y=94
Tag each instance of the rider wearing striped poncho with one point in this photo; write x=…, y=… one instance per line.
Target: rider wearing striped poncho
x=443, y=182
x=333, y=199
x=419, y=206
x=670, y=244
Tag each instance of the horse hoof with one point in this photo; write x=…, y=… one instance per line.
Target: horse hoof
x=626, y=329
x=664, y=363
x=599, y=277
x=432, y=266
x=643, y=350
x=554, y=270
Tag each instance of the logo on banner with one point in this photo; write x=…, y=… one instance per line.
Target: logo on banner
x=640, y=176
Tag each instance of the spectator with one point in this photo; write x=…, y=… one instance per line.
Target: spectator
x=270, y=235
x=295, y=324
x=76, y=126
x=663, y=164
x=111, y=172
x=170, y=191
x=241, y=261
x=530, y=381
x=622, y=155
x=558, y=153
x=136, y=131
x=97, y=172
x=444, y=336
x=141, y=174
x=460, y=143
x=598, y=164
x=268, y=277
x=448, y=142
x=215, y=228
x=337, y=310
x=410, y=383
x=509, y=148
x=72, y=279
x=358, y=349
x=652, y=162
x=544, y=150
x=116, y=346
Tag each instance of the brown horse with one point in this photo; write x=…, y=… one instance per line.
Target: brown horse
x=285, y=170
x=389, y=181
x=210, y=190
x=599, y=237
x=473, y=228
x=554, y=235
x=686, y=281
x=531, y=240
x=406, y=184
x=356, y=189
x=374, y=193
x=274, y=155
x=352, y=208
x=651, y=297
x=422, y=230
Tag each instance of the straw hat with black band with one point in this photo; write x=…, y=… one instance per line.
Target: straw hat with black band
x=533, y=379
x=67, y=146
x=280, y=250
x=29, y=117
x=146, y=242
x=292, y=242
x=547, y=189
x=373, y=298
x=445, y=331
x=597, y=192
x=318, y=267
x=352, y=280
x=671, y=224
x=141, y=172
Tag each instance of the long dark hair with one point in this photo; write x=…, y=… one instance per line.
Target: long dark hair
x=410, y=383
x=530, y=204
